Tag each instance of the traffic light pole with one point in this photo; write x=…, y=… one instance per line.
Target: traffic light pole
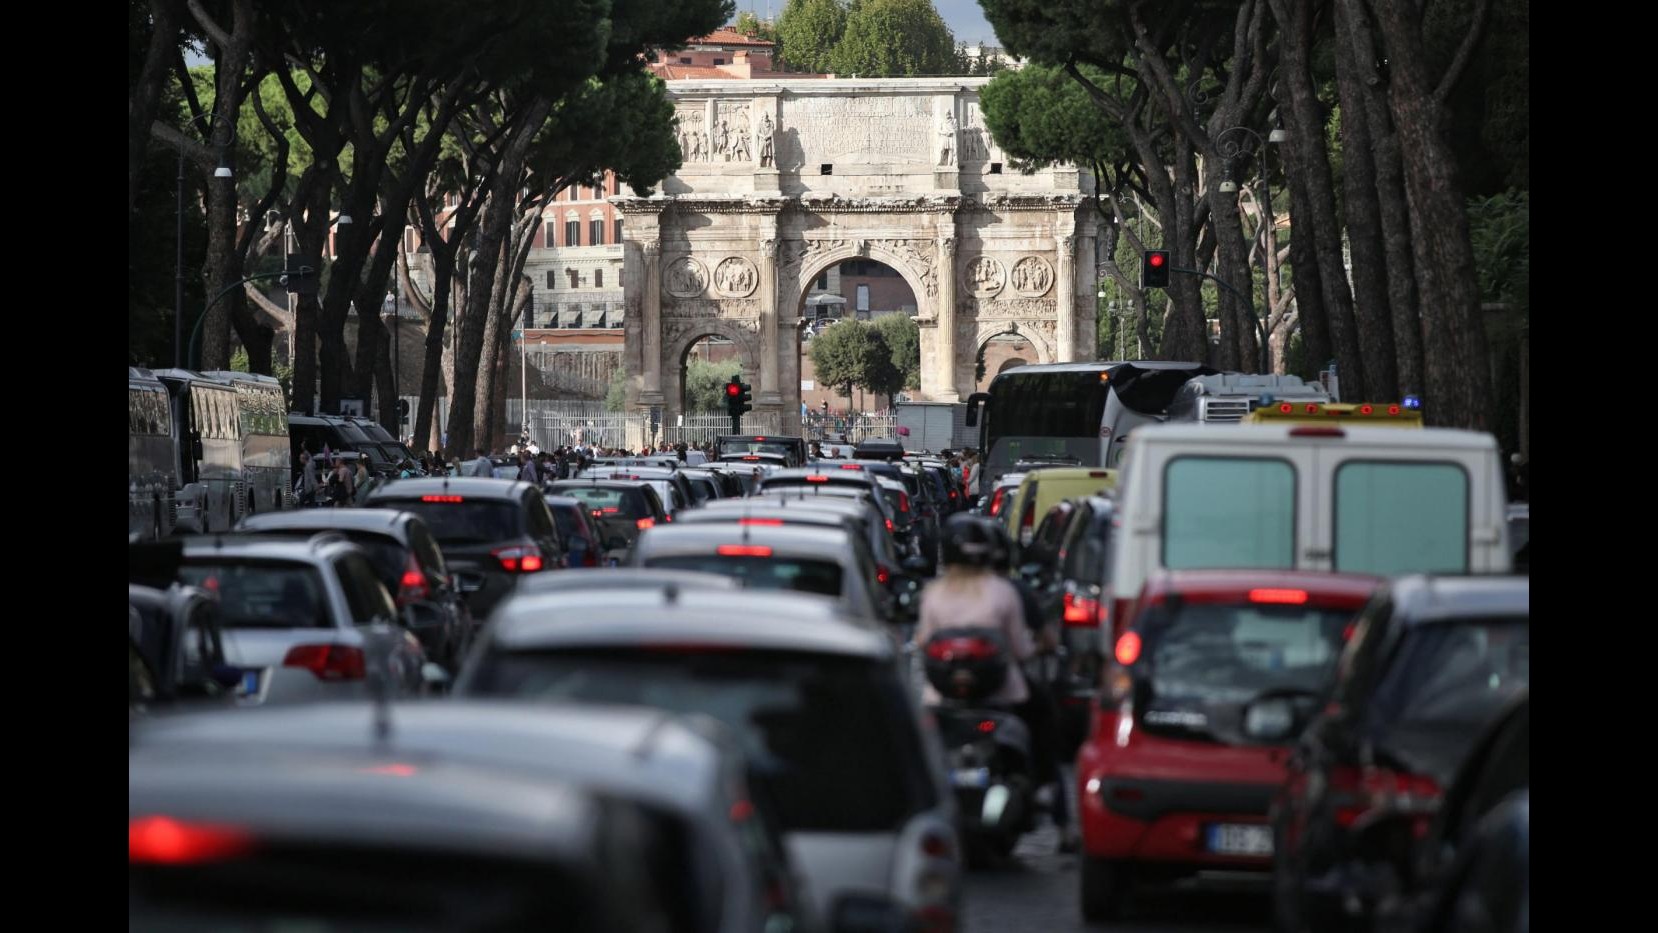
x=1260, y=325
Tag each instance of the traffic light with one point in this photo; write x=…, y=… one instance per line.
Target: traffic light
x=733, y=392
x=737, y=399
x=1154, y=269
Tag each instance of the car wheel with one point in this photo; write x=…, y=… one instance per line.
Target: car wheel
x=1105, y=884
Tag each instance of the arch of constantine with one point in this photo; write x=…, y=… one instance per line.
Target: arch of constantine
x=785, y=179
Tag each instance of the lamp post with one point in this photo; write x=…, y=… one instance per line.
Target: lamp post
x=223, y=171
x=393, y=299
x=1231, y=148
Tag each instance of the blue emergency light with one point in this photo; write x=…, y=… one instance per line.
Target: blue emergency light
x=1413, y=402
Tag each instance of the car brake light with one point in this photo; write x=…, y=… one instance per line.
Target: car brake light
x=967, y=649
x=936, y=845
x=519, y=558
x=1128, y=648
x=1365, y=409
x=760, y=521
x=889, y=524
x=987, y=725
x=741, y=810
x=996, y=501
x=1081, y=611
x=442, y=499
x=903, y=502
x=161, y=840
x=412, y=586
x=1099, y=474
x=751, y=458
x=328, y=662
x=1285, y=597
x=644, y=523
x=1317, y=432
x=759, y=438
x=817, y=478
x=882, y=576
x=609, y=510
x=851, y=466
x=743, y=550
x=1357, y=792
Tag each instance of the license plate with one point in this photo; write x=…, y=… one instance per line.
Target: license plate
x=1239, y=839
x=970, y=777
x=469, y=584
x=249, y=685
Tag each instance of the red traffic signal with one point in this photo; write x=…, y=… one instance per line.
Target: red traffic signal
x=1156, y=259
x=732, y=389
x=1154, y=269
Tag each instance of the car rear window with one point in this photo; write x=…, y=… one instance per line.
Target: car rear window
x=609, y=502
x=829, y=740
x=469, y=521
x=569, y=524
x=261, y=593
x=1228, y=512
x=1394, y=517
x=762, y=573
x=1204, y=661
x=387, y=555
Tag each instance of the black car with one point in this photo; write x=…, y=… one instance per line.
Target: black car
x=175, y=649
x=1431, y=663
x=491, y=531
x=335, y=434
x=406, y=558
x=622, y=508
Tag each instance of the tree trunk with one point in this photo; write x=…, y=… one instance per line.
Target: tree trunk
x=1456, y=362
x=1394, y=216
x=497, y=220
x=1185, y=333
x=1363, y=224
x=425, y=424
x=143, y=101
x=490, y=370
x=1239, y=348
x=1309, y=286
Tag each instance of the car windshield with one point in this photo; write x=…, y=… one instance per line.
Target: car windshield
x=762, y=573
x=828, y=739
x=469, y=521
x=1449, y=680
x=1204, y=661
x=728, y=448
x=609, y=502
x=261, y=593
x=325, y=890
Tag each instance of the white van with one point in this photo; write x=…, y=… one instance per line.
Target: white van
x=1306, y=497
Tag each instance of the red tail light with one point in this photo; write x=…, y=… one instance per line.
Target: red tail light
x=160, y=840
x=759, y=521
x=1081, y=611
x=987, y=725
x=967, y=649
x=519, y=558
x=996, y=501
x=644, y=523
x=1317, y=432
x=1357, y=792
x=412, y=585
x=851, y=466
x=889, y=524
x=1128, y=648
x=609, y=510
x=817, y=478
x=1285, y=597
x=903, y=502
x=442, y=499
x=328, y=662
x=882, y=576
x=743, y=550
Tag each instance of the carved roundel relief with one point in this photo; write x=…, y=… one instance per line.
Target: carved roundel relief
x=984, y=277
x=685, y=278
x=1032, y=276
x=735, y=277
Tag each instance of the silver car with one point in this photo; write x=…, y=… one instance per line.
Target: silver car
x=836, y=743
x=295, y=617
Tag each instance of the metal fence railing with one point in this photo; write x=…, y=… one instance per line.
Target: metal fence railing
x=854, y=427
x=702, y=429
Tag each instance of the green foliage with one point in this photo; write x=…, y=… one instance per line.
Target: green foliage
x=1039, y=116
x=1500, y=227
x=1052, y=32
x=902, y=337
x=893, y=38
x=638, y=140
x=850, y=354
x=616, y=397
x=705, y=384
x=808, y=32
x=750, y=25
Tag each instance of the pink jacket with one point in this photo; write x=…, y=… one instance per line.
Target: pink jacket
x=995, y=605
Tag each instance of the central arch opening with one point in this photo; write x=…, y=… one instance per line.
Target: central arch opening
x=1000, y=353
x=868, y=293
x=708, y=363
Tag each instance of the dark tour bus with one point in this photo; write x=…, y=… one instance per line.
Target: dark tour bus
x=1074, y=414
x=152, y=464
x=207, y=440
x=735, y=446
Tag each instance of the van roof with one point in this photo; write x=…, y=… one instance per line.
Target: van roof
x=1224, y=434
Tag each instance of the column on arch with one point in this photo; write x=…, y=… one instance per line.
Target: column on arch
x=949, y=382
x=1065, y=304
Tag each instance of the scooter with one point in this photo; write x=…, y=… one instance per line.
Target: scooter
x=987, y=749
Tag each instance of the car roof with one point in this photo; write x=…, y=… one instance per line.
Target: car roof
x=642, y=752
x=806, y=516
x=1341, y=588
x=762, y=620
x=602, y=578
x=1225, y=434
x=1420, y=598
x=386, y=520
x=784, y=540
x=470, y=487
x=1049, y=474
x=262, y=547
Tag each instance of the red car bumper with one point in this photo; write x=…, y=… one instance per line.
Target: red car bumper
x=1156, y=799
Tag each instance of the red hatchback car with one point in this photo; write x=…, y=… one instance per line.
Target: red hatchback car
x=1168, y=781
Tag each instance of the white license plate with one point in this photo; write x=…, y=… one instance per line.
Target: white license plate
x=249, y=685
x=1239, y=839
x=970, y=777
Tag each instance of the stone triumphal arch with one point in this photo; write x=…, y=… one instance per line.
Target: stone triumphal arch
x=784, y=179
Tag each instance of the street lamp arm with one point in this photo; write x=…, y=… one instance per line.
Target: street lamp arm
x=195, y=332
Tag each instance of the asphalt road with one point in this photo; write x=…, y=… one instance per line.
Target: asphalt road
x=1036, y=892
